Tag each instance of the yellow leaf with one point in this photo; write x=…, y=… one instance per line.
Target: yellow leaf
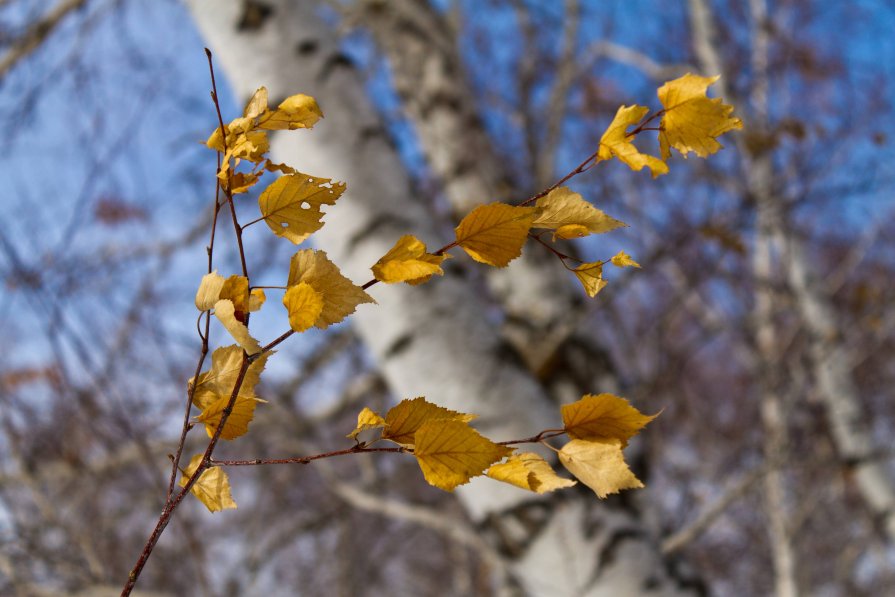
x=272, y=167
x=226, y=314
x=212, y=487
x=692, y=121
x=622, y=259
x=257, y=104
x=452, y=452
x=529, y=471
x=494, y=233
x=304, y=305
x=291, y=205
x=366, y=419
x=617, y=142
x=209, y=291
x=251, y=146
x=571, y=216
x=603, y=416
x=242, y=181
x=295, y=112
x=591, y=277
x=214, y=388
x=407, y=261
x=236, y=289
x=256, y=299
x=403, y=420
x=340, y=295
x=600, y=465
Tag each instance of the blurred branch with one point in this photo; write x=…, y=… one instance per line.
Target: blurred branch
x=36, y=34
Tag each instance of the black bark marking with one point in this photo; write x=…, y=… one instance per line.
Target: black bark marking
x=254, y=14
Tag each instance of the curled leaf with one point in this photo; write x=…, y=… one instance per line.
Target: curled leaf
x=622, y=259
x=212, y=487
x=617, y=142
x=226, y=314
x=591, y=277
x=408, y=261
x=529, y=471
x=600, y=465
x=366, y=419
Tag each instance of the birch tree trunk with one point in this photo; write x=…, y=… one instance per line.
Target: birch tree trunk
x=435, y=339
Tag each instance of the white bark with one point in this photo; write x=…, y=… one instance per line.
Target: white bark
x=432, y=340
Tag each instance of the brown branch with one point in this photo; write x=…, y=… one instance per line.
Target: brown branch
x=37, y=34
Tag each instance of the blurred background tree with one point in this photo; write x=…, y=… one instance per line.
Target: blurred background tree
x=761, y=323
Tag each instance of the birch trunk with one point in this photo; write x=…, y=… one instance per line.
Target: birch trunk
x=432, y=340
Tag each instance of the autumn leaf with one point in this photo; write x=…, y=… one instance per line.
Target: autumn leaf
x=212, y=487
x=209, y=291
x=291, y=205
x=528, y=471
x=256, y=299
x=692, y=121
x=299, y=111
x=257, y=104
x=600, y=465
x=214, y=388
x=403, y=420
x=340, y=295
x=304, y=305
x=571, y=216
x=591, y=277
x=617, y=142
x=408, y=261
x=603, y=416
x=241, y=182
x=226, y=314
x=366, y=419
x=622, y=259
x=236, y=289
x=451, y=452
x=494, y=233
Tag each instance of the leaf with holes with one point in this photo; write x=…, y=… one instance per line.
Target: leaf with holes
x=291, y=205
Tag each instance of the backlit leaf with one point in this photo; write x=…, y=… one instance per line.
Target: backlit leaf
x=212, y=487
x=226, y=313
x=692, y=121
x=451, y=452
x=494, y=233
x=529, y=471
x=408, y=261
x=571, y=216
x=304, y=305
x=299, y=111
x=603, y=416
x=591, y=277
x=236, y=290
x=209, y=291
x=256, y=299
x=617, y=142
x=214, y=388
x=600, y=465
x=340, y=295
x=291, y=205
x=622, y=259
x=403, y=420
x=366, y=419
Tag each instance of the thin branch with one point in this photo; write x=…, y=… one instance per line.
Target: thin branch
x=37, y=34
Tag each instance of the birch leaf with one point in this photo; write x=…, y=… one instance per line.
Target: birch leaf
x=304, y=305
x=212, y=487
x=214, y=388
x=622, y=259
x=226, y=314
x=408, y=261
x=591, y=277
x=494, y=233
x=291, y=205
x=692, y=121
x=603, y=416
x=236, y=289
x=366, y=419
x=451, y=452
x=340, y=295
x=405, y=418
x=257, y=104
x=251, y=146
x=617, y=142
x=209, y=291
x=298, y=111
x=529, y=471
x=600, y=465
x=241, y=182
x=256, y=299
x=571, y=216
